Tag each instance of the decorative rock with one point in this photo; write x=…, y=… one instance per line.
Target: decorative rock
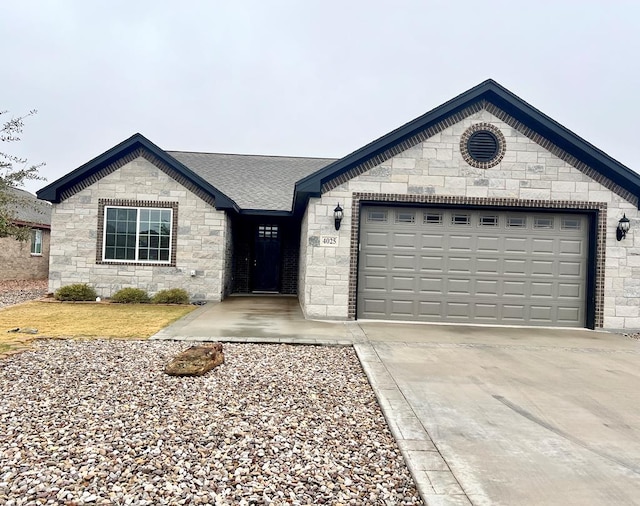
x=196, y=361
x=299, y=424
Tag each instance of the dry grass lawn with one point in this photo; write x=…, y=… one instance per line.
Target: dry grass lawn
x=80, y=320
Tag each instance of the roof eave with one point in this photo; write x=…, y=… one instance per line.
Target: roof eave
x=53, y=191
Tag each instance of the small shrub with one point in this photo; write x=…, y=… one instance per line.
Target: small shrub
x=130, y=296
x=173, y=296
x=77, y=292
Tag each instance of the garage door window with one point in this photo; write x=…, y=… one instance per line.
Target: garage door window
x=432, y=218
x=540, y=222
x=402, y=217
x=517, y=221
x=570, y=224
x=460, y=219
x=488, y=221
x=377, y=216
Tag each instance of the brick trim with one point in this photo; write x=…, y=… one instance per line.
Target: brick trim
x=102, y=203
x=360, y=199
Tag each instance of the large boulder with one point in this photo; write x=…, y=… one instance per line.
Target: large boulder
x=196, y=361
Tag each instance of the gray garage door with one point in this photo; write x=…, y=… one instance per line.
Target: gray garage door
x=473, y=266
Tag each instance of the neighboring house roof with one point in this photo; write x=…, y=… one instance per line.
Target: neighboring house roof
x=28, y=210
x=503, y=99
x=254, y=182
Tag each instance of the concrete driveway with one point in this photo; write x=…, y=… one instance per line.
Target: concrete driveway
x=483, y=416
x=519, y=416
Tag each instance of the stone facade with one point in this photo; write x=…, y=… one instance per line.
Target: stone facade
x=17, y=261
x=202, y=241
x=528, y=173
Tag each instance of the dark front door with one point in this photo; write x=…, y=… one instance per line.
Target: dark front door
x=266, y=260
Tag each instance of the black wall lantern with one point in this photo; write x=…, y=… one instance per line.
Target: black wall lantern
x=623, y=227
x=337, y=216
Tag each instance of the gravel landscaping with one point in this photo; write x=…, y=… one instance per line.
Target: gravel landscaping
x=98, y=422
x=14, y=292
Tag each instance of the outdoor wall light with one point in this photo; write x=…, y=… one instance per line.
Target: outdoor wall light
x=623, y=227
x=337, y=216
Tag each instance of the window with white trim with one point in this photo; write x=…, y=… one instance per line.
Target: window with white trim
x=137, y=234
x=36, y=241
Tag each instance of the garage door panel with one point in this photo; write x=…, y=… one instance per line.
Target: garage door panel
x=486, y=312
x=514, y=288
x=544, y=268
x=375, y=283
x=374, y=307
x=431, y=263
x=514, y=313
x=542, y=289
x=459, y=287
x=375, y=261
x=433, y=242
x=458, y=310
x=488, y=243
x=542, y=246
x=459, y=265
x=514, y=267
x=568, y=314
x=570, y=247
x=542, y=314
x=569, y=269
x=402, y=307
x=459, y=242
x=402, y=284
x=432, y=286
x=403, y=240
x=403, y=262
x=487, y=266
x=487, y=287
x=430, y=309
x=376, y=240
x=569, y=290
x=516, y=245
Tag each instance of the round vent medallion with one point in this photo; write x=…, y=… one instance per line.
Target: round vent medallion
x=482, y=146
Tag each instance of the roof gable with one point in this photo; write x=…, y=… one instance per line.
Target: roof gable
x=488, y=92
x=56, y=191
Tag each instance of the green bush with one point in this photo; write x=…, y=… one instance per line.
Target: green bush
x=130, y=296
x=173, y=296
x=77, y=292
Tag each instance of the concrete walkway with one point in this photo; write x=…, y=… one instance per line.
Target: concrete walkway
x=482, y=415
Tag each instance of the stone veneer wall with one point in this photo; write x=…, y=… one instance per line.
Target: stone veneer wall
x=435, y=167
x=202, y=237
x=17, y=262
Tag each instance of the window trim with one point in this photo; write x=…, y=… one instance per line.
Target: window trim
x=36, y=240
x=103, y=204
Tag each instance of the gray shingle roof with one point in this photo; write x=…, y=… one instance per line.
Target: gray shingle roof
x=253, y=181
x=29, y=209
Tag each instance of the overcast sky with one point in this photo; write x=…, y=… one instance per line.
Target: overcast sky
x=306, y=77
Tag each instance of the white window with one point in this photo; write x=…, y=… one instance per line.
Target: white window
x=137, y=234
x=36, y=241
